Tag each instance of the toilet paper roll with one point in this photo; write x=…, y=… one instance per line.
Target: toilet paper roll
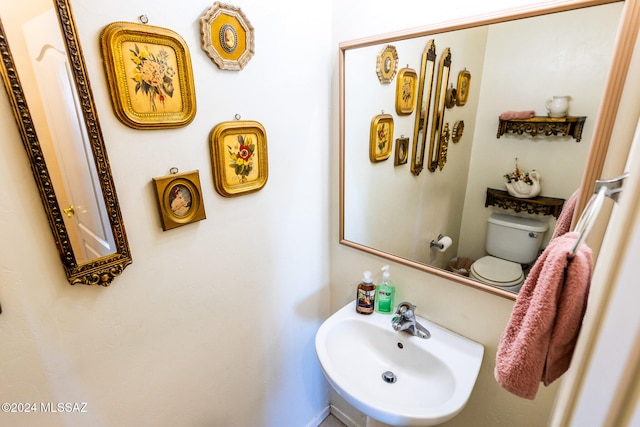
x=445, y=242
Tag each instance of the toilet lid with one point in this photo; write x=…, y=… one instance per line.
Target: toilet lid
x=497, y=271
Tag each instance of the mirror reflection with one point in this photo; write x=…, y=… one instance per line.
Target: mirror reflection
x=515, y=65
x=46, y=80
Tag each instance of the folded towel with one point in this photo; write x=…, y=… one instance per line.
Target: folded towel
x=508, y=115
x=540, y=337
x=563, y=224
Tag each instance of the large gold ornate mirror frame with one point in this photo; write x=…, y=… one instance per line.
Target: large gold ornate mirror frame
x=99, y=270
x=604, y=122
x=424, y=102
x=435, y=145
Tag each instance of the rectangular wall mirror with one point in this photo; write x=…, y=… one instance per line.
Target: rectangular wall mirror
x=511, y=61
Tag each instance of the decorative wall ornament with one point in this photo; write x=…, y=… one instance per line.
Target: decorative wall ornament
x=462, y=91
x=402, y=151
x=380, y=138
x=387, y=64
x=227, y=36
x=406, y=86
x=456, y=132
x=423, y=105
x=179, y=198
x=444, y=146
x=239, y=157
x=437, y=121
x=150, y=77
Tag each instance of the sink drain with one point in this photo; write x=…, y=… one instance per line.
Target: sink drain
x=389, y=377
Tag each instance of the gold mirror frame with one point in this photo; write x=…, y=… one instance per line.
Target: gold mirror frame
x=102, y=270
x=427, y=68
x=435, y=144
x=604, y=122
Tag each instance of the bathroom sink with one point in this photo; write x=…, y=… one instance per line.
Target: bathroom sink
x=394, y=377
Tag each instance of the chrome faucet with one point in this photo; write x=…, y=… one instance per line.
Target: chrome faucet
x=405, y=320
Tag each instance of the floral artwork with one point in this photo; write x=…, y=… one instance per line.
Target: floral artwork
x=383, y=137
x=149, y=73
x=153, y=75
x=380, y=137
x=241, y=155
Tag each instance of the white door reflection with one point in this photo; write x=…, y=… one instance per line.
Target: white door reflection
x=72, y=167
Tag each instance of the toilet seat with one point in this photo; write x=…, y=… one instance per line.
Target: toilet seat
x=498, y=272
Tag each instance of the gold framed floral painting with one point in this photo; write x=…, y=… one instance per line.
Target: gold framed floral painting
x=239, y=157
x=150, y=77
x=406, y=86
x=227, y=36
x=380, y=137
x=179, y=199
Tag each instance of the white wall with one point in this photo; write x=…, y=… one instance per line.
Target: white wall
x=213, y=323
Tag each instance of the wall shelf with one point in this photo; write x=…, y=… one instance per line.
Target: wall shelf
x=535, y=205
x=543, y=125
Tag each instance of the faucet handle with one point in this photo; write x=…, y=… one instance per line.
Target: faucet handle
x=406, y=309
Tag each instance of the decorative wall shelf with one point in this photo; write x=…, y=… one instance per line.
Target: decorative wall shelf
x=535, y=205
x=543, y=125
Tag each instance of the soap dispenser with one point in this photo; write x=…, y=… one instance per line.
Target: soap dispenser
x=385, y=292
x=366, y=294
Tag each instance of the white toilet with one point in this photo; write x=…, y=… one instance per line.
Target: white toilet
x=511, y=241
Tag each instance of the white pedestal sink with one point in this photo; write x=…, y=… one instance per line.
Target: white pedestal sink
x=394, y=377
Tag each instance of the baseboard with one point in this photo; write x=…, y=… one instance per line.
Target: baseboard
x=319, y=418
x=344, y=418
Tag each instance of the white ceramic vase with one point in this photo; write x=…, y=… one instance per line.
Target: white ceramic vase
x=523, y=190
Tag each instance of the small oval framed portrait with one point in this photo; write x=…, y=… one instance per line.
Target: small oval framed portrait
x=179, y=199
x=387, y=64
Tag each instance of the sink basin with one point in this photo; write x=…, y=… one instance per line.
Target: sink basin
x=394, y=377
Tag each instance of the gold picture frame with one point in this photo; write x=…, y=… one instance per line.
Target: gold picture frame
x=239, y=157
x=150, y=75
x=227, y=36
x=402, y=151
x=406, y=88
x=387, y=64
x=380, y=138
x=462, y=91
x=179, y=199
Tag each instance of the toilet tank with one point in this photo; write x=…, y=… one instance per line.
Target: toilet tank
x=514, y=238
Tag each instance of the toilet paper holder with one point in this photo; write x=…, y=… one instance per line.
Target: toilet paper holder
x=438, y=244
x=442, y=243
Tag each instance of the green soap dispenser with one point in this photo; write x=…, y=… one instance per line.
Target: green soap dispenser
x=385, y=292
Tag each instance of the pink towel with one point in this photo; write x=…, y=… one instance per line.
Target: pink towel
x=508, y=115
x=563, y=224
x=538, y=342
